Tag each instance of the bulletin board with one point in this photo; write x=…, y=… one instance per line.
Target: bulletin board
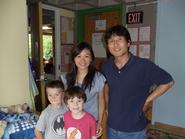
x=67, y=30
x=67, y=42
x=141, y=41
x=65, y=58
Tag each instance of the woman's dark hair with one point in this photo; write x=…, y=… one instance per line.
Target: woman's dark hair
x=71, y=77
x=74, y=91
x=118, y=30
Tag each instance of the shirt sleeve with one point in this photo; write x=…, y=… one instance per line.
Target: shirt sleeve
x=64, y=80
x=101, y=81
x=158, y=75
x=41, y=123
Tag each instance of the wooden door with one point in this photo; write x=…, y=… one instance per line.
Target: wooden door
x=111, y=18
x=35, y=11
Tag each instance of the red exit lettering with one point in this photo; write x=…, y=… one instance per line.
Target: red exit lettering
x=134, y=17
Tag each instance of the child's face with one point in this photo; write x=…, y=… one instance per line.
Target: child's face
x=75, y=105
x=55, y=96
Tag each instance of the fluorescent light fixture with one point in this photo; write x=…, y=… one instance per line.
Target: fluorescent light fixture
x=46, y=27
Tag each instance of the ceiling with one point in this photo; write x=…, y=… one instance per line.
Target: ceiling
x=76, y=5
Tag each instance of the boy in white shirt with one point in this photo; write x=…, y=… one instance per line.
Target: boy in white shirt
x=51, y=124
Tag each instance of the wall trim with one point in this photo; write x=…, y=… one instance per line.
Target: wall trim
x=179, y=131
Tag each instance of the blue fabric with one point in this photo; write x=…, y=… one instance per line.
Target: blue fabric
x=24, y=134
x=129, y=87
x=113, y=134
x=2, y=115
x=20, y=126
x=27, y=134
x=32, y=69
x=6, y=134
x=15, y=117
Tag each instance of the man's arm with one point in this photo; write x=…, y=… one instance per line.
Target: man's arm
x=157, y=92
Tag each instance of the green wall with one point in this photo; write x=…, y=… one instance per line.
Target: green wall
x=82, y=13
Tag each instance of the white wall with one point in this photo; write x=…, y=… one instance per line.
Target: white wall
x=14, y=83
x=170, y=55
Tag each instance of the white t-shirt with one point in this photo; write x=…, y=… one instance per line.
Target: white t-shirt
x=51, y=122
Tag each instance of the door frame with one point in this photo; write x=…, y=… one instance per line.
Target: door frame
x=35, y=11
x=37, y=48
x=57, y=51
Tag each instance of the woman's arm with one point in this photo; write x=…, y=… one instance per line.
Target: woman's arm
x=106, y=93
x=101, y=108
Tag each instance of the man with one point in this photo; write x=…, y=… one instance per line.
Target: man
x=129, y=80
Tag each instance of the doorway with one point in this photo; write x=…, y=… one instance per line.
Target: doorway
x=48, y=35
x=44, y=44
x=51, y=18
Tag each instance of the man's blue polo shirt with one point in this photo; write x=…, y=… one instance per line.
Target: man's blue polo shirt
x=129, y=88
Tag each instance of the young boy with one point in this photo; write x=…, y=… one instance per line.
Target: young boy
x=51, y=124
x=78, y=123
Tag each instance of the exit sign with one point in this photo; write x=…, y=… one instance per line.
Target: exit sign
x=134, y=17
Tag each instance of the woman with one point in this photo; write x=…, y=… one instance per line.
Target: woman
x=84, y=74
